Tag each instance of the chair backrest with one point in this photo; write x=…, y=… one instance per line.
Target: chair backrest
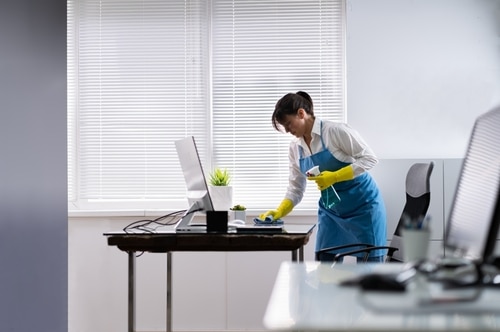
x=418, y=198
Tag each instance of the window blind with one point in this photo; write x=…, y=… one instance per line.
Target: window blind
x=261, y=51
x=142, y=74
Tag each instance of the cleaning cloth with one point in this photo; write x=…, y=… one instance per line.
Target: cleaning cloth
x=269, y=220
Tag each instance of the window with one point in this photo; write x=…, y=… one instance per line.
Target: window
x=145, y=73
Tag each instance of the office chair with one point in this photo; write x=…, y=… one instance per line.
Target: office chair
x=418, y=197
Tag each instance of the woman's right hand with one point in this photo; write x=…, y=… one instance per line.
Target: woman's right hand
x=282, y=210
x=272, y=213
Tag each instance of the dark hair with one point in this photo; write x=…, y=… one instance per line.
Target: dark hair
x=289, y=104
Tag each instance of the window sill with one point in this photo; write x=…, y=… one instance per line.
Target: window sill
x=158, y=213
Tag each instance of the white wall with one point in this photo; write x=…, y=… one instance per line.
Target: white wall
x=418, y=73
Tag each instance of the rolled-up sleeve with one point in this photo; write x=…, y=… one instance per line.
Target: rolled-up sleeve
x=347, y=145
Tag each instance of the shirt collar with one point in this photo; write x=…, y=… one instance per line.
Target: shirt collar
x=315, y=131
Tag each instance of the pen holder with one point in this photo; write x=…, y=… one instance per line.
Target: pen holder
x=415, y=244
x=216, y=221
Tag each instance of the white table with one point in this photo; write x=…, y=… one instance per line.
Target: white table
x=307, y=297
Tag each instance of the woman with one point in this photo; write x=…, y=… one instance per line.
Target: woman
x=343, y=158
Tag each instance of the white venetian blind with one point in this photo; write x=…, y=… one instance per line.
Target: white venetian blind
x=143, y=73
x=140, y=69
x=261, y=51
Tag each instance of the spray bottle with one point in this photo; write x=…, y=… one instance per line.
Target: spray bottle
x=329, y=195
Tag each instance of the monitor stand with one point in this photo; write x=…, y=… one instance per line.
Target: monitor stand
x=185, y=226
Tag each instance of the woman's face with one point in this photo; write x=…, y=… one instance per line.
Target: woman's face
x=295, y=124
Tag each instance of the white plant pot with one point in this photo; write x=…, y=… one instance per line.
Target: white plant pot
x=222, y=197
x=238, y=215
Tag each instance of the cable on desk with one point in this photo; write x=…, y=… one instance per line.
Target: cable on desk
x=144, y=225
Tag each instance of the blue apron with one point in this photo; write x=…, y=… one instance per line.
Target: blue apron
x=360, y=216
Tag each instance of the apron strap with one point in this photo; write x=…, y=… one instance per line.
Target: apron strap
x=321, y=136
x=301, y=149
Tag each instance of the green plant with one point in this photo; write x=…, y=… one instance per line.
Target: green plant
x=238, y=207
x=220, y=177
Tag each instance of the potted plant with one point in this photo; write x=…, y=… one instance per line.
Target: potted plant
x=238, y=212
x=220, y=177
x=220, y=190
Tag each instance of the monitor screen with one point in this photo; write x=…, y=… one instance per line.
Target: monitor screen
x=472, y=226
x=197, y=190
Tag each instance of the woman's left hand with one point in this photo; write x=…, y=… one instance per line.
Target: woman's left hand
x=324, y=180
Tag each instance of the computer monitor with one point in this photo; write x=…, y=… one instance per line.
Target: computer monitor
x=197, y=190
x=474, y=219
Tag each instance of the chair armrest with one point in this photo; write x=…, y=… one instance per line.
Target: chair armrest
x=366, y=245
x=390, y=252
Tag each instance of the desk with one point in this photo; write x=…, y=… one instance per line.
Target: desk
x=293, y=240
x=307, y=297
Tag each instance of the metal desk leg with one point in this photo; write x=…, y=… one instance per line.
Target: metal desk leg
x=131, y=291
x=169, y=292
x=298, y=255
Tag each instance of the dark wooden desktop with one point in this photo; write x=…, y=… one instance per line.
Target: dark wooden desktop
x=293, y=239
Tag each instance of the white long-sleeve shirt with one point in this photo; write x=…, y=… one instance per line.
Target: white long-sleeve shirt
x=341, y=140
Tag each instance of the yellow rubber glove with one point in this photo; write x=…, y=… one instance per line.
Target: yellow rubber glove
x=326, y=178
x=285, y=207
